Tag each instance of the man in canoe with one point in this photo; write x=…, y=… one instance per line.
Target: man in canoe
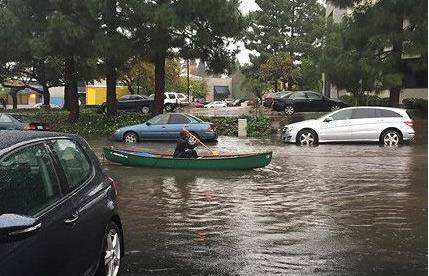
x=185, y=146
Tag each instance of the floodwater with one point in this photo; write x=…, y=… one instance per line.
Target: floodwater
x=326, y=210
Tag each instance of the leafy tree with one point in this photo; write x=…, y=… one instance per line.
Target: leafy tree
x=386, y=31
x=256, y=87
x=203, y=29
x=279, y=67
x=283, y=26
x=198, y=88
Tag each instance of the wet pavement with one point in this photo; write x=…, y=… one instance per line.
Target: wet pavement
x=326, y=210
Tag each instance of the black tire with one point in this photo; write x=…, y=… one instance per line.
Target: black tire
x=307, y=137
x=145, y=110
x=112, y=227
x=391, y=137
x=130, y=137
x=289, y=110
x=335, y=107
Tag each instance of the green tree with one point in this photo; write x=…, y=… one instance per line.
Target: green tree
x=386, y=31
x=204, y=29
x=256, y=87
x=278, y=68
x=283, y=26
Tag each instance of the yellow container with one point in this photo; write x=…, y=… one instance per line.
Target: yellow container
x=97, y=95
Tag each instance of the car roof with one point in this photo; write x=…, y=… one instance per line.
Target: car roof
x=10, y=138
x=378, y=107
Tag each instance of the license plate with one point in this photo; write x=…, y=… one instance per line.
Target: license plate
x=40, y=127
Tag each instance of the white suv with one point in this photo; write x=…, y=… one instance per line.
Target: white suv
x=172, y=100
x=389, y=126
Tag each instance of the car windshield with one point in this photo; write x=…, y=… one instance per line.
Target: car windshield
x=21, y=118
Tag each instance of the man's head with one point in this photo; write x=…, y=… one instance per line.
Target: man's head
x=183, y=134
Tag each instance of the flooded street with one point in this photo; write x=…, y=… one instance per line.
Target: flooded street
x=326, y=210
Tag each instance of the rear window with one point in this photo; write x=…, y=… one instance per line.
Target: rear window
x=387, y=113
x=76, y=165
x=28, y=181
x=21, y=118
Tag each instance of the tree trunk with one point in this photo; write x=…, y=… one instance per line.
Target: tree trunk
x=394, y=96
x=14, y=98
x=111, y=103
x=111, y=76
x=46, y=96
x=71, y=94
x=276, y=86
x=159, y=82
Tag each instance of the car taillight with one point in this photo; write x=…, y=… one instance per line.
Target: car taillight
x=212, y=128
x=47, y=127
x=409, y=123
x=29, y=127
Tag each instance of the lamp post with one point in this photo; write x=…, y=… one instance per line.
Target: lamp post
x=187, y=71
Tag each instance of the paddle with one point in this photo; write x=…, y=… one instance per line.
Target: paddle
x=214, y=152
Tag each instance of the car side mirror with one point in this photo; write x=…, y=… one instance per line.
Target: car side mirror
x=148, y=123
x=15, y=227
x=328, y=119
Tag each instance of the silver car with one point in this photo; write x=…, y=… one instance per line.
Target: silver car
x=389, y=126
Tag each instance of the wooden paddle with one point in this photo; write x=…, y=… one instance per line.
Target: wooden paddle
x=214, y=152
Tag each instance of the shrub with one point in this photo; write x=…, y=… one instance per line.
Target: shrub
x=371, y=100
x=420, y=105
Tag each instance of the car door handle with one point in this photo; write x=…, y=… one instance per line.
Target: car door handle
x=72, y=219
x=26, y=230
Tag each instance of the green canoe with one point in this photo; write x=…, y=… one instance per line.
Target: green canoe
x=221, y=162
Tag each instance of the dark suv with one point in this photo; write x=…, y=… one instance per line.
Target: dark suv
x=58, y=208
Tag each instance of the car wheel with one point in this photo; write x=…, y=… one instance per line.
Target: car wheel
x=111, y=258
x=307, y=137
x=168, y=107
x=131, y=137
x=289, y=110
x=335, y=108
x=145, y=110
x=391, y=138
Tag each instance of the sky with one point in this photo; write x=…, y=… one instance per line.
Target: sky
x=246, y=6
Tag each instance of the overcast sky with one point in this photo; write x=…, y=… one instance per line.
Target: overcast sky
x=246, y=6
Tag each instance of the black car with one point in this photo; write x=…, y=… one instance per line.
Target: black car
x=269, y=99
x=306, y=101
x=9, y=121
x=133, y=103
x=58, y=208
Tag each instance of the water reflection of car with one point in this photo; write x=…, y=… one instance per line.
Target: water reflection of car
x=15, y=121
x=216, y=104
x=389, y=126
x=132, y=103
x=306, y=101
x=40, y=105
x=59, y=211
x=269, y=98
x=167, y=127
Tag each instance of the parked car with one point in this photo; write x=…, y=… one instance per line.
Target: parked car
x=197, y=105
x=216, y=104
x=167, y=127
x=269, y=99
x=389, y=126
x=228, y=102
x=16, y=121
x=40, y=105
x=133, y=103
x=306, y=101
x=172, y=100
x=238, y=102
x=59, y=212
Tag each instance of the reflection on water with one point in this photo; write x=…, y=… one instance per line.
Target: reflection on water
x=327, y=210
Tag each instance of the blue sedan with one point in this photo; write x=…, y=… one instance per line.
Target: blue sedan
x=167, y=127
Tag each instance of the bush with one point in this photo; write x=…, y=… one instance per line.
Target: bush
x=257, y=126
x=371, y=100
x=420, y=105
